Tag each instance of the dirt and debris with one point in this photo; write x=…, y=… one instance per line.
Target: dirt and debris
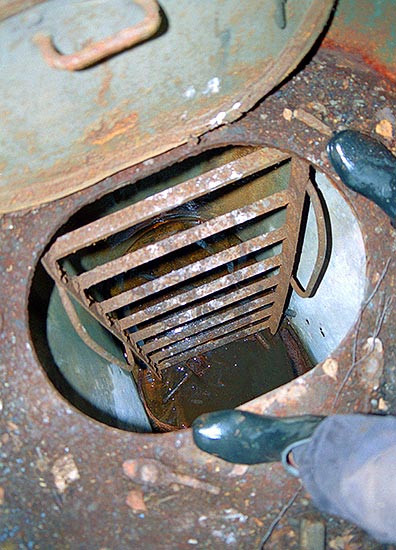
x=135, y=501
x=65, y=472
x=152, y=472
x=94, y=508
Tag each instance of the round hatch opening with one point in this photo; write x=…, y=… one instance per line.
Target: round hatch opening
x=198, y=288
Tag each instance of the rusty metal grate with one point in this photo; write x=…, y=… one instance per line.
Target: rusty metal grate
x=190, y=283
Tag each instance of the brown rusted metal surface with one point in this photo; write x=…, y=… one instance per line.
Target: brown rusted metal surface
x=161, y=202
x=98, y=51
x=143, y=102
x=210, y=314
x=87, y=501
x=299, y=178
x=218, y=325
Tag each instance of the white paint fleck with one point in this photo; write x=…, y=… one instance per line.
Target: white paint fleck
x=236, y=105
x=190, y=92
x=232, y=514
x=213, y=86
x=230, y=539
x=218, y=119
x=236, y=175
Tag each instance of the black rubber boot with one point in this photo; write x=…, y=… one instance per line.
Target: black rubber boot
x=246, y=438
x=366, y=166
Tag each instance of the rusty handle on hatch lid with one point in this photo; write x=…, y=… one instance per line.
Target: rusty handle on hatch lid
x=323, y=246
x=104, y=48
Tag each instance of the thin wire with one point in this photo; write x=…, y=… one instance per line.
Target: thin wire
x=354, y=350
x=277, y=519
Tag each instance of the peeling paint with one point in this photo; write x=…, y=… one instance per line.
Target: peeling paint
x=213, y=86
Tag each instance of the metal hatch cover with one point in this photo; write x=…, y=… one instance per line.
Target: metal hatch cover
x=203, y=64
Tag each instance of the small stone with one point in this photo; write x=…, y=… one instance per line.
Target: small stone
x=135, y=501
x=192, y=541
x=287, y=114
x=371, y=368
x=12, y=427
x=65, y=472
x=330, y=367
x=382, y=404
x=312, y=535
x=2, y=495
x=384, y=128
x=239, y=470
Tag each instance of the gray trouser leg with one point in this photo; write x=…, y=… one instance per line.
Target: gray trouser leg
x=349, y=469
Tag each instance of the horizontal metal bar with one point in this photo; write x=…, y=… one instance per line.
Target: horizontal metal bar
x=208, y=322
x=203, y=291
x=180, y=318
x=210, y=334
x=196, y=268
x=184, y=238
x=161, y=202
x=213, y=344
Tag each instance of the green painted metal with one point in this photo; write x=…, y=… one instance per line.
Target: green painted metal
x=209, y=63
x=367, y=27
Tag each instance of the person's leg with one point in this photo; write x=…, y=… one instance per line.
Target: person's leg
x=366, y=166
x=349, y=469
x=347, y=463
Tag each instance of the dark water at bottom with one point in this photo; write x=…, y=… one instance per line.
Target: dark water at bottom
x=224, y=378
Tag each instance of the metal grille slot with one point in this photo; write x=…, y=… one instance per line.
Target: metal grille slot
x=196, y=277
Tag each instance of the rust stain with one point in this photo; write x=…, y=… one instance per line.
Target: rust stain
x=105, y=86
x=104, y=449
x=106, y=133
x=354, y=48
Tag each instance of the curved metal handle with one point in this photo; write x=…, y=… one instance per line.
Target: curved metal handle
x=104, y=48
x=83, y=333
x=323, y=244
